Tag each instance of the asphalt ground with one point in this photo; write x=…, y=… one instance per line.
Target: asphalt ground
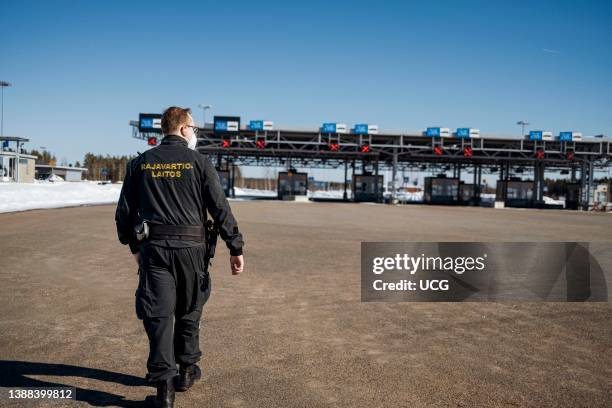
x=291, y=331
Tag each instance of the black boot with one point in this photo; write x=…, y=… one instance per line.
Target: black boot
x=188, y=375
x=165, y=394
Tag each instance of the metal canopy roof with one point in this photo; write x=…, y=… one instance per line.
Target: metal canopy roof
x=13, y=139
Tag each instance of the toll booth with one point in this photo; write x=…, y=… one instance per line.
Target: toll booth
x=367, y=188
x=225, y=181
x=441, y=190
x=515, y=193
x=467, y=194
x=602, y=195
x=291, y=185
x=572, y=196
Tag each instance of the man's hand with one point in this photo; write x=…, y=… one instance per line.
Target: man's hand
x=237, y=264
x=137, y=257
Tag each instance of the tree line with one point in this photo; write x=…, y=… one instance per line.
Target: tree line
x=43, y=157
x=110, y=168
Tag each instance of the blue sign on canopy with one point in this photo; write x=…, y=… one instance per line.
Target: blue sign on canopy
x=256, y=125
x=221, y=125
x=535, y=135
x=329, y=128
x=433, y=131
x=226, y=124
x=149, y=122
x=361, y=129
x=463, y=133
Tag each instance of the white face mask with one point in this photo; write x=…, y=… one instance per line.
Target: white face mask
x=192, y=142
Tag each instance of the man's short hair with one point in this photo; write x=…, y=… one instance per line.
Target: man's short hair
x=173, y=118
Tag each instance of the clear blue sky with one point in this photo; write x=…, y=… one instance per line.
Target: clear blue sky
x=82, y=69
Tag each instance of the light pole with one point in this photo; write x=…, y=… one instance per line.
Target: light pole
x=3, y=84
x=204, y=107
x=522, y=123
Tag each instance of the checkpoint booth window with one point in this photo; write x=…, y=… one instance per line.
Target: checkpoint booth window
x=572, y=196
x=368, y=188
x=467, y=193
x=515, y=193
x=225, y=181
x=441, y=190
x=292, y=184
x=6, y=168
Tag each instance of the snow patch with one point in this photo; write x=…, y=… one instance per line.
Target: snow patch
x=44, y=194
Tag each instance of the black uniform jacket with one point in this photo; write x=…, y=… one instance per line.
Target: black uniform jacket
x=172, y=184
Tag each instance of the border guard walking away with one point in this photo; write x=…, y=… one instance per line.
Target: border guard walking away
x=162, y=216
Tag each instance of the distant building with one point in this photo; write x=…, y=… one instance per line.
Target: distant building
x=44, y=171
x=8, y=171
x=602, y=194
x=15, y=166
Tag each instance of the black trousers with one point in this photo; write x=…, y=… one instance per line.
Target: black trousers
x=171, y=294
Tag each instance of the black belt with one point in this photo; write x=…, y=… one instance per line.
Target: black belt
x=180, y=232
